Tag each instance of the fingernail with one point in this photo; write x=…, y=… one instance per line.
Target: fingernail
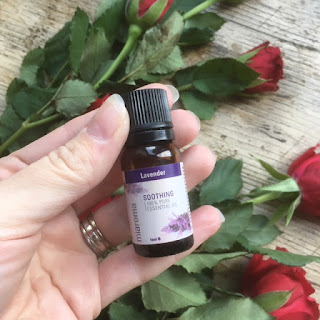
x=223, y=219
x=108, y=118
x=198, y=120
x=174, y=92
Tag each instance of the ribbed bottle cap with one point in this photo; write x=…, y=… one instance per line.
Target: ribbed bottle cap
x=150, y=118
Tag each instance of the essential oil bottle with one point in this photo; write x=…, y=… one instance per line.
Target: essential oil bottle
x=155, y=187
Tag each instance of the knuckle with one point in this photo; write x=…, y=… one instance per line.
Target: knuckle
x=72, y=162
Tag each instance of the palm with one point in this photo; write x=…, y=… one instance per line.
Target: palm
x=63, y=276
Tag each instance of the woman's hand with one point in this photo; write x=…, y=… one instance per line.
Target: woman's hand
x=46, y=269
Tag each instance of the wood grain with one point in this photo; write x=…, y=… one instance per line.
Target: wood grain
x=276, y=127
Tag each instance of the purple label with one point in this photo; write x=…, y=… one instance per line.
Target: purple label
x=153, y=173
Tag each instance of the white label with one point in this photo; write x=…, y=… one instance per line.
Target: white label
x=158, y=204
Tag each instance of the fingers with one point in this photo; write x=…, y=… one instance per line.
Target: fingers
x=133, y=270
x=49, y=185
x=112, y=219
x=41, y=147
x=186, y=128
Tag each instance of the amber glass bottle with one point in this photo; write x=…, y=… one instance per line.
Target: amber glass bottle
x=157, y=198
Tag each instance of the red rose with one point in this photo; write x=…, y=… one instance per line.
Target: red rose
x=144, y=6
x=98, y=103
x=264, y=276
x=268, y=62
x=306, y=171
x=143, y=14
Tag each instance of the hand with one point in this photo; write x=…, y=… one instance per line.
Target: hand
x=46, y=269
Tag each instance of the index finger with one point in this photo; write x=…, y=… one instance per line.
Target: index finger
x=53, y=140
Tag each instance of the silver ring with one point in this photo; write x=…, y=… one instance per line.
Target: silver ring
x=94, y=238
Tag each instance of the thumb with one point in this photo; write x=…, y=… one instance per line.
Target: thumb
x=49, y=185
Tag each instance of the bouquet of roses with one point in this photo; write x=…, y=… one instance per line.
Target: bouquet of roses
x=131, y=43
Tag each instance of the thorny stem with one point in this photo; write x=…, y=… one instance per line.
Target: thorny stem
x=57, y=75
x=134, y=34
x=25, y=127
x=31, y=123
x=185, y=87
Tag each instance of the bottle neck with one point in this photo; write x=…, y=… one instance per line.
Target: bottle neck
x=150, y=136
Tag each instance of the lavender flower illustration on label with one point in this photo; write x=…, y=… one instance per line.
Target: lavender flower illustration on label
x=180, y=224
x=135, y=188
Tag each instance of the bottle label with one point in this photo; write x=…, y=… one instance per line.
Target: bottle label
x=158, y=204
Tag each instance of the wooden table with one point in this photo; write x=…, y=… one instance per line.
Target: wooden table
x=276, y=127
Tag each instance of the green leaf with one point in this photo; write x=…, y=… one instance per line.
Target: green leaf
x=10, y=119
x=287, y=258
x=224, y=183
x=272, y=171
x=79, y=29
x=185, y=76
x=29, y=100
x=247, y=56
x=196, y=262
x=120, y=311
x=95, y=55
x=200, y=28
x=288, y=185
x=194, y=199
x=227, y=309
x=172, y=290
x=172, y=63
x=156, y=45
x=272, y=301
x=258, y=234
x=200, y=104
x=57, y=52
x=281, y=212
x=15, y=86
x=74, y=98
x=223, y=77
x=293, y=206
x=237, y=221
x=31, y=65
x=110, y=17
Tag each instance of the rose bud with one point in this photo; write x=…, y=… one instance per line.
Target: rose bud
x=268, y=62
x=145, y=13
x=262, y=276
x=98, y=103
x=306, y=172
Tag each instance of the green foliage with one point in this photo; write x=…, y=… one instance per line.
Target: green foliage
x=200, y=104
x=224, y=183
x=258, y=232
x=237, y=221
x=172, y=290
x=198, y=261
x=95, y=56
x=227, y=308
x=29, y=100
x=272, y=171
x=79, y=28
x=287, y=258
x=74, y=98
x=15, y=86
x=172, y=63
x=200, y=28
x=156, y=45
x=120, y=311
x=223, y=77
x=272, y=301
x=56, y=52
x=31, y=65
x=110, y=17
